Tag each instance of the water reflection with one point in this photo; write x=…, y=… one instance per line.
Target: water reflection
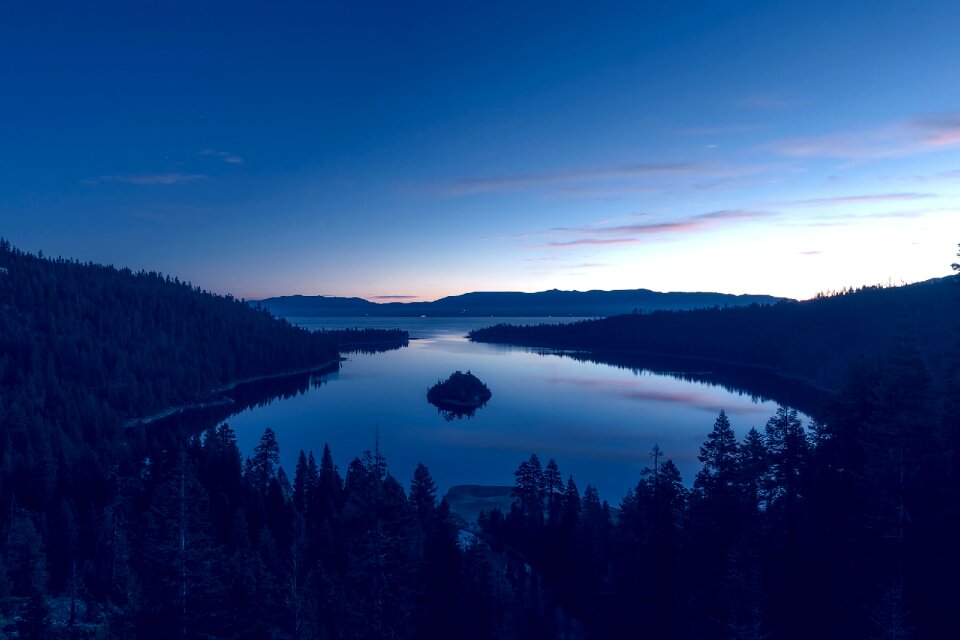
x=248, y=396
x=756, y=383
x=597, y=415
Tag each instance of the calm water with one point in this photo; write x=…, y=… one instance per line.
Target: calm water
x=596, y=420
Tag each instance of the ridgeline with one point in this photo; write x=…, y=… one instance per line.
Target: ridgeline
x=513, y=304
x=87, y=348
x=816, y=340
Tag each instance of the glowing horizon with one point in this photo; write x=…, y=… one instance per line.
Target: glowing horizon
x=378, y=152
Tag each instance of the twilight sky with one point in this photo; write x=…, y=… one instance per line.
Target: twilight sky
x=400, y=149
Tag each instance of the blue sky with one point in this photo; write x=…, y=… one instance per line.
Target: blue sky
x=427, y=149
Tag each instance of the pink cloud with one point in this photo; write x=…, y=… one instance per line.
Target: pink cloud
x=941, y=129
x=921, y=134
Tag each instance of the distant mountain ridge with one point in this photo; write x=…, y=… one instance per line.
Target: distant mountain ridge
x=817, y=340
x=515, y=303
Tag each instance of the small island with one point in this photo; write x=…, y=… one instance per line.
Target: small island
x=459, y=395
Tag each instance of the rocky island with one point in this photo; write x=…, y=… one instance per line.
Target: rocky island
x=459, y=395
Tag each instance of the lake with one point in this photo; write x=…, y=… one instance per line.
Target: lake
x=597, y=416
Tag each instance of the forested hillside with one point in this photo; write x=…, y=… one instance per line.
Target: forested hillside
x=135, y=342
x=84, y=348
x=818, y=340
x=845, y=528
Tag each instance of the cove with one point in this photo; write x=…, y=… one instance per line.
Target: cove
x=597, y=415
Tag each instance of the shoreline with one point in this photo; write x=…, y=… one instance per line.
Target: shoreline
x=326, y=367
x=633, y=352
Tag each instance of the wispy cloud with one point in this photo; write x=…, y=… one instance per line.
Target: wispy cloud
x=815, y=252
x=912, y=213
x=633, y=233
x=940, y=129
x=226, y=156
x=918, y=135
x=392, y=297
x=149, y=178
x=590, y=242
x=611, y=181
x=697, y=222
x=868, y=198
x=720, y=130
x=511, y=182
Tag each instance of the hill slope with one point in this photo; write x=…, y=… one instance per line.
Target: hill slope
x=814, y=339
x=133, y=341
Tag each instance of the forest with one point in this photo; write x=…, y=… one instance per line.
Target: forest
x=845, y=527
x=816, y=340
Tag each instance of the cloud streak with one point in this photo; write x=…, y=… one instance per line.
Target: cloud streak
x=868, y=198
x=512, y=182
x=149, y=179
x=633, y=233
x=589, y=242
x=226, y=156
x=720, y=130
x=922, y=134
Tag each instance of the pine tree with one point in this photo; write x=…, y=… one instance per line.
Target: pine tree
x=789, y=451
x=553, y=488
x=330, y=487
x=528, y=488
x=753, y=462
x=265, y=460
x=300, y=483
x=719, y=455
x=571, y=504
x=423, y=494
x=182, y=595
x=439, y=607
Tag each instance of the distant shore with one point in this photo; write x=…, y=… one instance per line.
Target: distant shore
x=213, y=401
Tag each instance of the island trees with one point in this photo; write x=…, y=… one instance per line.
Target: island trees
x=459, y=395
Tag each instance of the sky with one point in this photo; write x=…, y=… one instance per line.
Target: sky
x=410, y=150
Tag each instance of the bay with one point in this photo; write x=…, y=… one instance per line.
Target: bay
x=597, y=415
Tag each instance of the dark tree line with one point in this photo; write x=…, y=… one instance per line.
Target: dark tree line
x=84, y=349
x=844, y=528
x=197, y=542
x=816, y=339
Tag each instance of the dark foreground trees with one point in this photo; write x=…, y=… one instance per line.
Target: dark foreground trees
x=841, y=529
x=844, y=528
